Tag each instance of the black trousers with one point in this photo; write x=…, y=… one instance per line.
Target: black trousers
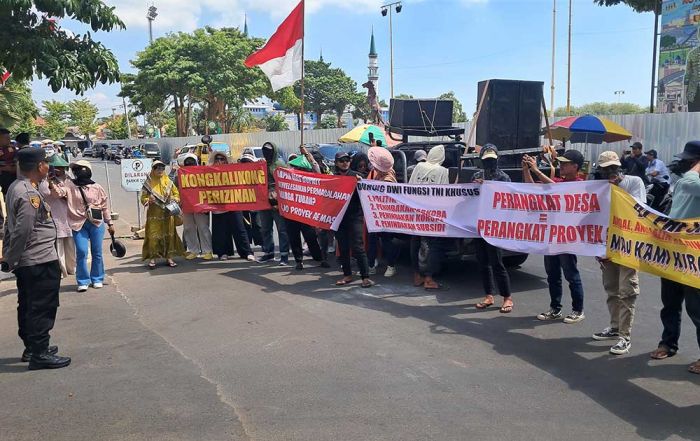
x=490, y=260
x=294, y=231
x=349, y=236
x=672, y=296
x=37, y=302
x=658, y=190
x=431, y=263
x=227, y=228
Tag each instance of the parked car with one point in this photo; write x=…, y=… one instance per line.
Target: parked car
x=150, y=150
x=220, y=147
x=258, y=154
x=113, y=151
x=88, y=152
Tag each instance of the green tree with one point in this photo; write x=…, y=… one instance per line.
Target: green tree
x=17, y=108
x=204, y=67
x=328, y=122
x=117, y=127
x=403, y=96
x=56, y=118
x=275, y=123
x=290, y=102
x=82, y=114
x=637, y=5
x=326, y=89
x=600, y=108
x=458, y=114
x=668, y=41
x=33, y=43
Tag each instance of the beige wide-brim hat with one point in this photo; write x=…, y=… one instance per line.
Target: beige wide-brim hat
x=81, y=163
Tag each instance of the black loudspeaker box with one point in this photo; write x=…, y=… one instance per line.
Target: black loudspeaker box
x=421, y=114
x=510, y=117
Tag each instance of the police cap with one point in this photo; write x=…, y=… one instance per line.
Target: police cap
x=31, y=156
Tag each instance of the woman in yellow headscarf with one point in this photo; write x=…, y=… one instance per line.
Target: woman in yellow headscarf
x=162, y=241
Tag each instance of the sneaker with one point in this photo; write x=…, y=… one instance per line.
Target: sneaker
x=284, y=261
x=250, y=258
x=552, y=314
x=190, y=256
x=331, y=249
x=574, y=317
x=606, y=334
x=390, y=271
x=325, y=264
x=266, y=258
x=208, y=256
x=82, y=288
x=299, y=266
x=225, y=257
x=373, y=270
x=97, y=285
x=622, y=347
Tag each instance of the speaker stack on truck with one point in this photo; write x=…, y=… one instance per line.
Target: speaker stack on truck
x=510, y=117
x=422, y=117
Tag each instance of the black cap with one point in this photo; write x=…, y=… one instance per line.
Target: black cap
x=572, y=156
x=691, y=151
x=4, y=131
x=653, y=153
x=31, y=156
x=637, y=145
x=341, y=154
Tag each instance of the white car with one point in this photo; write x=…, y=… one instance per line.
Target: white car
x=255, y=151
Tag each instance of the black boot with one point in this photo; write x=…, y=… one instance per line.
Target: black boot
x=300, y=265
x=47, y=361
x=27, y=354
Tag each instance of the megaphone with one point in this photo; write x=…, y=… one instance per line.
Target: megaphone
x=117, y=248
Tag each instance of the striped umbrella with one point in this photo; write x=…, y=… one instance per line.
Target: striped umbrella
x=588, y=129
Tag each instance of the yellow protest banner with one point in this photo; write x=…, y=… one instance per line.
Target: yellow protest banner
x=648, y=241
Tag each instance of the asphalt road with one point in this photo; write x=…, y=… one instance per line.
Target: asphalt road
x=234, y=350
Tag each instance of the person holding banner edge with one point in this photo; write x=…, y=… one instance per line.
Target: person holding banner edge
x=351, y=229
x=620, y=283
x=489, y=257
x=570, y=165
x=195, y=226
x=272, y=216
x=685, y=205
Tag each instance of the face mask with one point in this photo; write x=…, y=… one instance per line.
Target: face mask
x=489, y=164
x=267, y=154
x=83, y=173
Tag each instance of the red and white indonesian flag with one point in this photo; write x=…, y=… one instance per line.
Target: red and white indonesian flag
x=281, y=58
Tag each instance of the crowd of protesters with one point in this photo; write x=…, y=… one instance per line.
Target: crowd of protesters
x=77, y=209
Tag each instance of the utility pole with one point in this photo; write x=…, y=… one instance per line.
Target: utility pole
x=126, y=114
x=150, y=16
x=654, y=65
x=387, y=9
x=568, y=73
x=554, y=49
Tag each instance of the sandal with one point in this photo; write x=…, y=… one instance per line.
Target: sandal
x=486, y=303
x=151, y=265
x=694, y=368
x=662, y=352
x=172, y=264
x=436, y=287
x=507, y=307
x=418, y=280
x=344, y=281
x=366, y=283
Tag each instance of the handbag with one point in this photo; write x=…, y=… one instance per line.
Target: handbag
x=93, y=214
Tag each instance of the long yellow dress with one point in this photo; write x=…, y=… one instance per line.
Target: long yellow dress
x=162, y=240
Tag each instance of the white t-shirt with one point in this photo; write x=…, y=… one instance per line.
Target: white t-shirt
x=635, y=187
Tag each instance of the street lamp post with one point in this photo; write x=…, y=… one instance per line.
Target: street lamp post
x=150, y=16
x=387, y=9
x=618, y=94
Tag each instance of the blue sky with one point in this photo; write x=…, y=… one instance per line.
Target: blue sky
x=439, y=45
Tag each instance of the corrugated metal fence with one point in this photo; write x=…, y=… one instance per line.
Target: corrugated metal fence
x=667, y=133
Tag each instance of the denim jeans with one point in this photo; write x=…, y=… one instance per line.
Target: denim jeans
x=267, y=218
x=672, y=296
x=89, y=237
x=554, y=265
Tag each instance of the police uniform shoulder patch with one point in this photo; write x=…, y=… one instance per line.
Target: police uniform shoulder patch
x=35, y=201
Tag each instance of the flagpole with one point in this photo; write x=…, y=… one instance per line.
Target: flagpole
x=303, y=38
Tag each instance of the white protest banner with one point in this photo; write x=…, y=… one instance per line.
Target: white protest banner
x=422, y=210
x=134, y=173
x=567, y=217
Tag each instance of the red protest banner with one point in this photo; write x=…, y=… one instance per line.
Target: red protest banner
x=228, y=187
x=313, y=199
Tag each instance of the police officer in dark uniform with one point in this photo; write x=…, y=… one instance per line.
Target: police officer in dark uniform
x=29, y=250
